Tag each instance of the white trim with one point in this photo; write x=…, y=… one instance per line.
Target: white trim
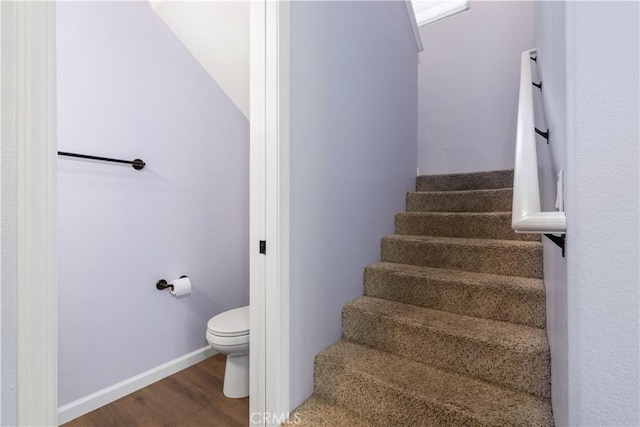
x=526, y=215
x=414, y=25
x=93, y=401
x=269, y=356
x=257, y=124
x=430, y=11
x=277, y=205
x=36, y=202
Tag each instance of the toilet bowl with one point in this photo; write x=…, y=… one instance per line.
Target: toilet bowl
x=228, y=333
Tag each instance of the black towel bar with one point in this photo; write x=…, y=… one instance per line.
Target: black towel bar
x=137, y=164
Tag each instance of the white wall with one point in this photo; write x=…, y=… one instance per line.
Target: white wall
x=217, y=34
x=128, y=88
x=353, y=145
x=590, y=68
x=468, y=87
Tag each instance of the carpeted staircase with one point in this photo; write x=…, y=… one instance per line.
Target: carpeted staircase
x=450, y=330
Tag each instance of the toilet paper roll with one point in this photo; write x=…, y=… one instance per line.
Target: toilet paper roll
x=181, y=286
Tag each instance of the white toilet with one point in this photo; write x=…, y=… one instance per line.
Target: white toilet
x=228, y=333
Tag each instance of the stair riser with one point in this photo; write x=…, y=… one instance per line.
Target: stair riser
x=481, y=226
x=470, y=181
x=380, y=403
x=524, y=261
x=394, y=391
x=498, y=201
x=443, y=346
x=317, y=412
x=497, y=364
x=497, y=303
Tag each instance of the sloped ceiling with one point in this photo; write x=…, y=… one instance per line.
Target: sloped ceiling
x=217, y=34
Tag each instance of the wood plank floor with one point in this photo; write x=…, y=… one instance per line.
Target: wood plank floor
x=192, y=397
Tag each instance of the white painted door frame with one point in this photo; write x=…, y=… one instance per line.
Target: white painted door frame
x=33, y=34
x=269, y=402
x=30, y=79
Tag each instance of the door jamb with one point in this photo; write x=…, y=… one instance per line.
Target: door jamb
x=269, y=59
x=34, y=118
x=35, y=121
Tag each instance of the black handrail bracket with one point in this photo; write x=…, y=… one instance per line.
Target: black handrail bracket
x=560, y=241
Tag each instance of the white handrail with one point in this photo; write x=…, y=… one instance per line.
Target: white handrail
x=526, y=216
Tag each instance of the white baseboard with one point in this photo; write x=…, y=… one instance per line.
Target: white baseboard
x=107, y=395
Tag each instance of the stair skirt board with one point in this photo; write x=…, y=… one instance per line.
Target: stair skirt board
x=451, y=327
x=96, y=400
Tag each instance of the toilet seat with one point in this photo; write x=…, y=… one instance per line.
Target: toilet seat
x=230, y=324
x=238, y=340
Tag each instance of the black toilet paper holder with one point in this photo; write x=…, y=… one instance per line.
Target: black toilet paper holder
x=162, y=284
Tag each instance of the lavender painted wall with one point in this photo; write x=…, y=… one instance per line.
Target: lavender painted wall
x=353, y=146
x=8, y=220
x=589, y=62
x=603, y=212
x=128, y=88
x=468, y=87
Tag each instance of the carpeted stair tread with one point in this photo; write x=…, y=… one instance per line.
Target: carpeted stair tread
x=465, y=181
x=450, y=330
x=392, y=390
x=513, y=299
x=318, y=412
x=489, y=200
x=507, y=257
x=479, y=225
x=503, y=353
